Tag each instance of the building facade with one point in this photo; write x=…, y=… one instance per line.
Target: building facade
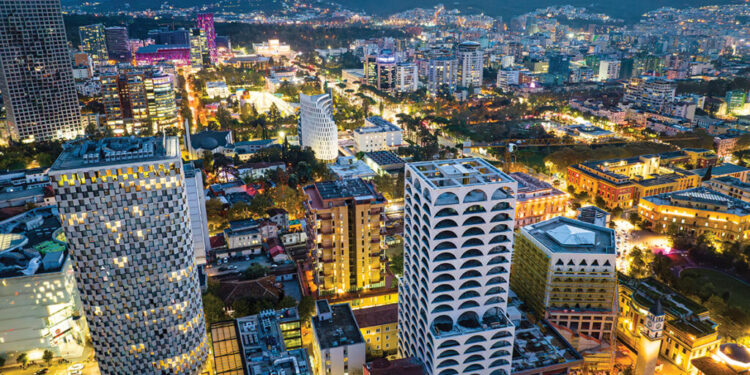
x=94, y=42
x=687, y=330
x=537, y=200
x=377, y=135
x=36, y=74
x=564, y=269
x=458, y=244
x=470, y=65
x=345, y=224
x=118, y=45
x=697, y=211
x=205, y=21
x=316, y=127
x=442, y=74
x=124, y=211
x=338, y=347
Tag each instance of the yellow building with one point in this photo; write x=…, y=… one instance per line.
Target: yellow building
x=697, y=211
x=346, y=226
x=379, y=327
x=564, y=270
x=689, y=332
x=537, y=200
x=622, y=182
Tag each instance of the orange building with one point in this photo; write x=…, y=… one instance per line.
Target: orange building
x=537, y=200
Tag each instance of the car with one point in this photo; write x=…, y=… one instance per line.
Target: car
x=223, y=268
x=76, y=367
x=247, y=257
x=42, y=371
x=232, y=267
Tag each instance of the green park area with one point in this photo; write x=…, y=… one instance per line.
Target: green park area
x=738, y=291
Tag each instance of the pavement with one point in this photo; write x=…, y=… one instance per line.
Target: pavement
x=56, y=368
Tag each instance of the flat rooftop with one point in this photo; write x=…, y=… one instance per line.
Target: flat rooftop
x=720, y=170
x=730, y=181
x=338, y=330
x=376, y=124
x=377, y=315
x=352, y=188
x=115, y=151
x=564, y=235
x=448, y=174
x=384, y=158
x=703, y=199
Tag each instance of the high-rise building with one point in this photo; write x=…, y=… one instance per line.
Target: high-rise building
x=609, y=69
x=458, y=243
x=316, y=128
x=470, y=65
x=564, y=270
x=118, y=45
x=198, y=47
x=138, y=96
x=205, y=21
x=407, y=77
x=165, y=36
x=94, y=42
x=160, y=99
x=441, y=74
x=345, y=222
x=124, y=211
x=196, y=197
x=735, y=100
x=36, y=75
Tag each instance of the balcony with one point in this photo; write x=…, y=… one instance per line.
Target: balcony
x=325, y=245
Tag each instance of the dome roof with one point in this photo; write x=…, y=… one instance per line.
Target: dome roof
x=736, y=352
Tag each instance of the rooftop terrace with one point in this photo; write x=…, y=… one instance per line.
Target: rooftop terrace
x=564, y=235
x=335, y=326
x=114, y=151
x=446, y=174
x=702, y=198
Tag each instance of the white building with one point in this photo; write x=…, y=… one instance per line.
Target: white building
x=338, y=346
x=124, y=209
x=441, y=73
x=274, y=49
x=470, y=65
x=217, y=89
x=609, y=69
x=316, y=127
x=407, y=77
x=39, y=306
x=196, y=198
x=458, y=244
x=377, y=135
x=507, y=78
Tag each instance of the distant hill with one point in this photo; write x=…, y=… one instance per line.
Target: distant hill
x=630, y=10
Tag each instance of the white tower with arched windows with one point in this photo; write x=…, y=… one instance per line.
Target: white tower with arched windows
x=458, y=242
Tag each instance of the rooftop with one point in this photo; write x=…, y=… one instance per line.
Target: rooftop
x=530, y=187
x=353, y=188
x=262, y=343
x=115, y=151
x=448, y=174
x=384, y=158
x=564, y=235
x=155, y=48
x=32, y=243
x=539, y=348
x=681, y=311
x=730, y=181
x=377, y=124
x=401, y=366
x=337, y=327
x=209, y=139
x=701, y=198
x=720, y=170
x=376, y=316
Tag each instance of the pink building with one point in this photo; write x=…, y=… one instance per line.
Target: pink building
x=155, y=53
x=205, y=21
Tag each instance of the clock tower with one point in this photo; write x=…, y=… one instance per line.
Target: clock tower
x=650, y=340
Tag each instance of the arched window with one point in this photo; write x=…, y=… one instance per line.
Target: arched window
x=475, y=196
x=446, y=199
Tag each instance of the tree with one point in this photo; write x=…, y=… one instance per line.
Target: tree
x=599, y=201
x=640, y=261
x=397, y=264
x=634, y=218
x=260, y=203
x=306, y=308
x=47, y=356
x=2, y=361
x=208, y=161
x=255, y=271
x=23, y=359
x=213, y=308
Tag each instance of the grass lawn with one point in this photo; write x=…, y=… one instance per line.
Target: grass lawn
x=739, y=292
